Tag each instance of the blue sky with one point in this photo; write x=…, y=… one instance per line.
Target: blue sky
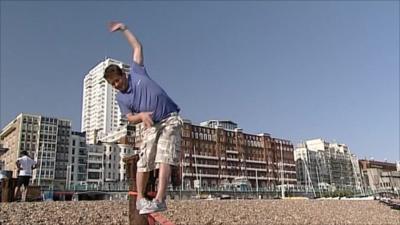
x=297, y=70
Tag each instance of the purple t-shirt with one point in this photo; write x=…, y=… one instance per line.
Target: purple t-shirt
x=145, y=95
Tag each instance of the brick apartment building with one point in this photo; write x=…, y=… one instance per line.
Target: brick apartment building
x=215, y=152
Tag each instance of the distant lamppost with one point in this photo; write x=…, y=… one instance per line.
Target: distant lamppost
x=282, y=182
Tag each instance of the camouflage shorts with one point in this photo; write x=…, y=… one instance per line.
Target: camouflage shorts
x=160, y=144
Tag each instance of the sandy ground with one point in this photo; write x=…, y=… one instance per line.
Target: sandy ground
x=193, y=212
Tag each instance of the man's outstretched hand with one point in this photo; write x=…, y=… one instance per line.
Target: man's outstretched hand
x=116, y=26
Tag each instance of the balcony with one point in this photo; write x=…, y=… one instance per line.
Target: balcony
x=232, y=152
x=200, y=175
x=255, y=161
x=204, y=165
x=230, y=159
x=202, y=156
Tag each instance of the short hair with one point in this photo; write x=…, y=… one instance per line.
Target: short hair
x=24, y=153
x=111, y=70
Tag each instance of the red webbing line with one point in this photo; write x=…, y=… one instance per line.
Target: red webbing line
x=150, y=194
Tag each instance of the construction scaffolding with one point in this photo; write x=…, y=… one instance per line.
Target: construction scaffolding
x=327, y=167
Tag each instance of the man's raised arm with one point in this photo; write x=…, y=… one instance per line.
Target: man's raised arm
x=132, y=40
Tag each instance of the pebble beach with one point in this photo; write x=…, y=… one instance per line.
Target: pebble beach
x=205, y=212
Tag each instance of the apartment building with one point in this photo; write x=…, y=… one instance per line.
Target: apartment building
x=77, y=161
x=105, y=166
x=63, y=136
x=326, y=166
x=100, y=111
x=312, y=167
x=46, y=139
x=118, y=144
x=95, y=165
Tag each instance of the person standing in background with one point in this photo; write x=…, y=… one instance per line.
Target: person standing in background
x=25, y=166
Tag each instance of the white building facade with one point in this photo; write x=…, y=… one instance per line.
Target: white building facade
x=95, y=166
x=77, y=161
x=46, y=139
x=117, y=144
x=106, y=169
x=327, y=166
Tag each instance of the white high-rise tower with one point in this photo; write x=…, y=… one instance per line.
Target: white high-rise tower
x=100, y=111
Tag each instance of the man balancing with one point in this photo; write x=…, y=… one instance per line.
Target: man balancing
x=142, y=100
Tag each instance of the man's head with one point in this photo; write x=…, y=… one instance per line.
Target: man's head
x=116, y=77
x=24, y=153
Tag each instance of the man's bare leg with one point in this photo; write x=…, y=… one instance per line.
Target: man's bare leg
x=163, y=179
x=23, y=194
x=141, y=183
x=17, y=190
